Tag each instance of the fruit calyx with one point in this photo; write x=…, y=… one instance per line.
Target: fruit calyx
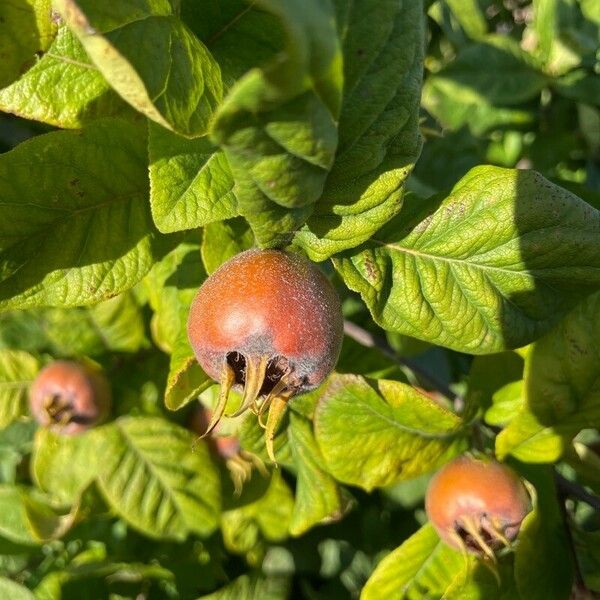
x=69, y=397
x=477, y=505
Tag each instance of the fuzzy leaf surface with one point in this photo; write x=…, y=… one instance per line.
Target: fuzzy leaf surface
x=151, y=59
x=64, y=88
x=379, y=140
x=493, y=266
x=152, y=479
x=372, y=434
x=80, y=200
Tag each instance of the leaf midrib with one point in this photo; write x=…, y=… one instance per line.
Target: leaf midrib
x=131, y=447
x=434, y=257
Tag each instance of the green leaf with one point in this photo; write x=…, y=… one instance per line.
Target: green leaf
x=63, y=88
x=506, y=404
x=480, y=582
x=489, y=374
x=378, y=128
x=223, y=240
x=562, y=38
x=545, y=26
x=25, y=30
x=318, y=497
x=14, y=591
x=455, y=106
x=151, y=59
x=17, y=371
x=84, y=228
x=16, y=441
x=497, y=70
x=252, y=587
x=590, y=10
x=119, y=323
x=171, y=286
x=376, y=433
x=26, y=518
x=241, y=36
x=470, y=16
x=278, y=123
x=422, y=567
x=543, y=544
x=588, y=544
x=187, y=380
x=580, y=85
x=152, y=479
x=63, y=466
x=190, y=182
x=246, y=529
x=491, y=267
x=114, y=325
x=562, y=389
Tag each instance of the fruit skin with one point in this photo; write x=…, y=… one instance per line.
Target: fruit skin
x=69, y=397
x=482, y=492
x=268, y=303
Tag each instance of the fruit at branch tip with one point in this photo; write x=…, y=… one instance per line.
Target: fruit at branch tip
x=69, y=397
x=477, y=505
x=269, y=323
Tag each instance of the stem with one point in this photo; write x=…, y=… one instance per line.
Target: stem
x=570, y=488
x=562, y=496
x=369, y=340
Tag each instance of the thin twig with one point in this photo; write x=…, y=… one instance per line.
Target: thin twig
x=570, y=488
x=562, y=497
x=369, y=340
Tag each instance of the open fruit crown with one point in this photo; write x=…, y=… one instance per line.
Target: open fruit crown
x=270, y=323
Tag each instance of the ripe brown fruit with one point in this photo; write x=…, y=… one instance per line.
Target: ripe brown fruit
x=69, y=397
x=477, y=505
x=270, y=323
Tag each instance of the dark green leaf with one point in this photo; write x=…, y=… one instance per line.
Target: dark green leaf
x=25, y=30
x=278, y=123
x=543, y=546
x=379, y=137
